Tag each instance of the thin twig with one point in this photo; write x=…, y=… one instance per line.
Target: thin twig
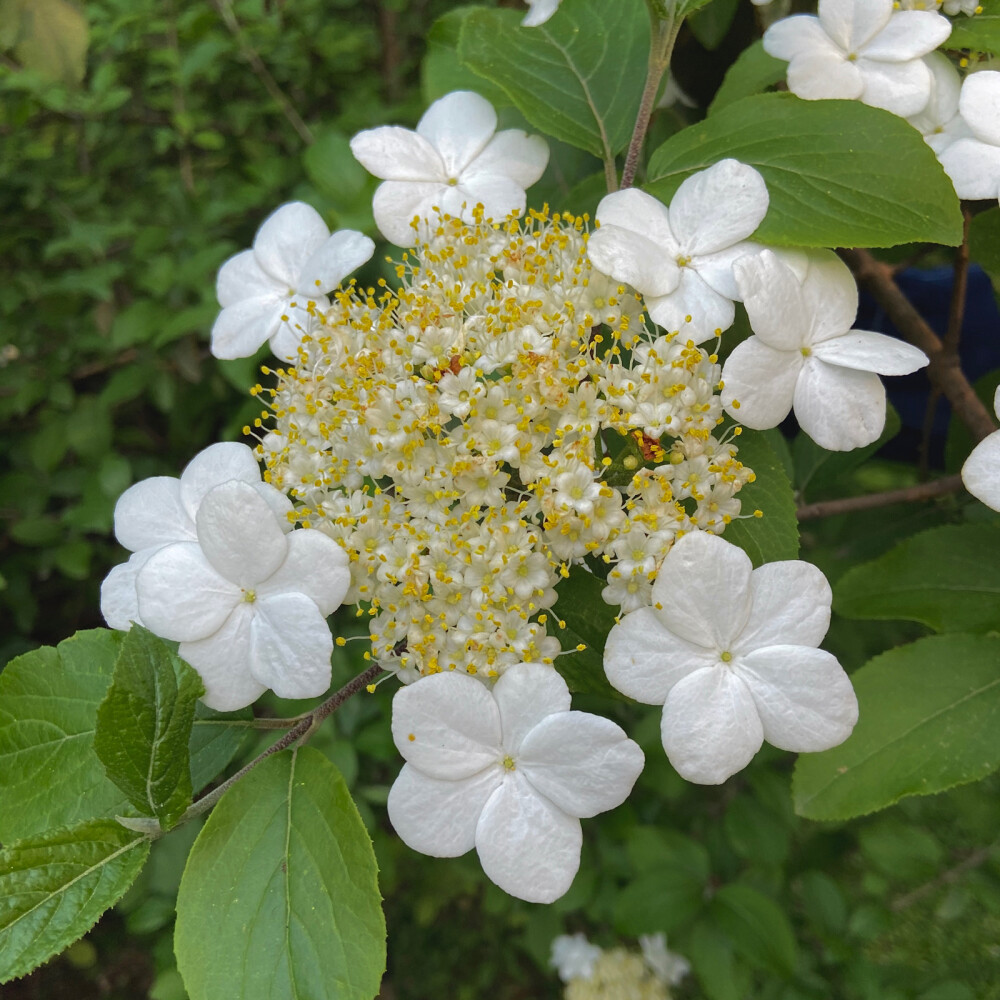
x=846, y=505
x=960, y=283
x=952, y=875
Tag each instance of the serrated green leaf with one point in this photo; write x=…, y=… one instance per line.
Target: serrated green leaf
x=144, y=726
x=441, y=71
x=831, y=168
x=572, y=82
x=930, y=719
x=53, y=889
x=48, y=715
x=938, y=578
x=758, y=928
x=753, y=71
x=984, y=244
x=280, y=897
x=980, y=33
x=775, y=535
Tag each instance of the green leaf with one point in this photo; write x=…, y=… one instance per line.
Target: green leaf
x=984, y=244
x=664, y=898
x=48, y=36
x=775, y=535
x=588, y=619
x=48, y=713
x=980, y=33
x=572, y=82
x=758, y=928
x=711, y=956
x=441, y=71
x=832, y=171
x=961, y=594
x=280, y=896
x=711, y=24
x=144, y=726
x=929, y=721
x=53, y=888
x=753, y=71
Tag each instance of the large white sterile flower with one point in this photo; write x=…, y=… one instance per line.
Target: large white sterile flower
x=729, y=651
x=940, y=122
x=573, y=956
x=805, y=355
x=454, y=160
x=981, y=471
x=681, y=258
x=510, y=772
x=539, y=12
x=162, y=509
x=973, y=163
x=860, y=50
x=265, y=292
x=247, y=601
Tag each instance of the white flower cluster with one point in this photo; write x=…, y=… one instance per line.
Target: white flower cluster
x=458, y=437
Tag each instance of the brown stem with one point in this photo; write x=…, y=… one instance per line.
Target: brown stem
x=922, y=491
x=943, y=370
x=960, y=282
x=952, y=875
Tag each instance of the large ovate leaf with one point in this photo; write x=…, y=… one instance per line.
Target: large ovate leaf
x=441, y=70
x=939, y=578
x=831, y=168
x=144, y=726
x=571, y=81
x=929, y=720
x=48, y=715
x=53, y=889
x=775, y=535
x=757, y=927
x=280, y=896
x=980, y=33
x=753, y=71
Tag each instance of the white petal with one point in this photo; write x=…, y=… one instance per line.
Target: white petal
x=980, y=105
x=119, y=601
x=345, y=251
x=839, y=408
x=498, y=195
x=909, y=34
x=280, y=505
x=223, y=662
x=525, y=694
x=800, y=34
x=824, y=75
x=181, y=596
x=717, y=207
x=644, y=660
x=717, y=269
x=439, y=818
x=974, y=168
x=458, y=126
x=213, y=466
x=398, y=154
x=790, y=605
x=513, y=154
x=829, y=295
x=291, y=646
x=710, y=726
x=539, y=11
x=640, y=213
x=980, y=473
x=530, y=848
x=902, y=88
x=396, y=203
x=288, y=238
x=702, y=592
x=240, y=329
x=315, y=566
x=151, y=513
x=583, y=763
x=630, y=257
x=454, y=723
x=851, y=23
x=946, y=85
x=695, y=309
x=805, y=700
x=772, y=296
x=241, y=277
x=762, y=380
x=239, y=534
x=871, y=352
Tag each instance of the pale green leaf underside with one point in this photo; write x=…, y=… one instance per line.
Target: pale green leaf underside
x=930, y=719
x=280, y=896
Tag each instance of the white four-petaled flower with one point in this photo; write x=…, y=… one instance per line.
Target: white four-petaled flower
x=860, y=50
x=510, y=772
x=729, y=651
x=981, y=471
x=454, y=160
x=805, y=355
x=681, y=258
x=266, y=293
x=973, y=162
x=247, y=601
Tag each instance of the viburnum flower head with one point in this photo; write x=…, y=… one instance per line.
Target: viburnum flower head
x=981, y=471
x=973, y=163
x=681, y=258
x=247, y=601
x=509, y=771
x=805, y=355
x=162, y=509
x=267, y=292
x=454, y=161
x=860, y=50
x=729, y=651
